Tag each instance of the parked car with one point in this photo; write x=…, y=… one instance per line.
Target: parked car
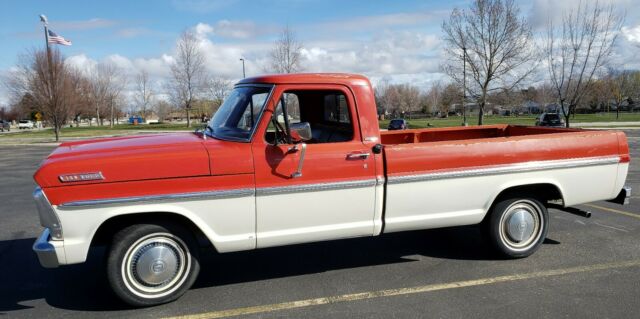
x=25, y=124
x=550, y=120
x=324, y=173
x=5, y=126
x=398, y=124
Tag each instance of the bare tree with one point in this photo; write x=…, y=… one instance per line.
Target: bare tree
x=499, y=48
x=621, y=86
x=144, y=93
x=219, y=88
x=188, y=72
x=107, y=83
x=409, y=98
x=578, y=49
x=450, y=95
x=285, y=56
x=162, y=109
x=49, y=84
x=434, y=97
x=81, y=103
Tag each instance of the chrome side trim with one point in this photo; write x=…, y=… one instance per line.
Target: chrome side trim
x=242, y=192
x=314, y=187
x=507, y=169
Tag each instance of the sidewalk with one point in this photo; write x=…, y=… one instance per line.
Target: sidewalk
x=606, y=124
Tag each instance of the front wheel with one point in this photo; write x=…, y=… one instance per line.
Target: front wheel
x=152, y=264
x=517, y=226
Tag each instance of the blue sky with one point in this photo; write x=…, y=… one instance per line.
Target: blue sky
x=396, y=40
x=147, y=28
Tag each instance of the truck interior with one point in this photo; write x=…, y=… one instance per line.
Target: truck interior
x=326, y=112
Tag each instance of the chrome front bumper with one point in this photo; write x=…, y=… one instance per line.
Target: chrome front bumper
x=46, y=251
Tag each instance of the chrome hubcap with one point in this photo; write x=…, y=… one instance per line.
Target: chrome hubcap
x=156, y=265
x=520, y=225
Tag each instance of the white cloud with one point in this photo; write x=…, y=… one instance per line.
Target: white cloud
x=202, y=29
x=81, y=62
x=543, y=11
x=365, y=23
x=632, y=34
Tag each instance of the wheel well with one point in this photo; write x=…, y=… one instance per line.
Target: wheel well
x=112, y=225
x=543, y=192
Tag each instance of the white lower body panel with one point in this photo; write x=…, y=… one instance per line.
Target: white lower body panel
x=466, y=200
x=229, y=223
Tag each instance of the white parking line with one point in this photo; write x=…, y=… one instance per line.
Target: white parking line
x=622, y=212
x=406, y=291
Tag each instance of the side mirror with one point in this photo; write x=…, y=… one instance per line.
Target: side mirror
x=300, y=132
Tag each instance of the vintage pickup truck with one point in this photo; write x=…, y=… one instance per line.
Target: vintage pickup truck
x=300, y=158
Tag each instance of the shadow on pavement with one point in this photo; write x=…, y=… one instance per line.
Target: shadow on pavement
x=84, y=287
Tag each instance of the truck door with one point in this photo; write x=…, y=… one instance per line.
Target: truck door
x=320, y=189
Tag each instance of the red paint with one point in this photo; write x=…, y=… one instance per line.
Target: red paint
x=184, y=162
x=427, y=150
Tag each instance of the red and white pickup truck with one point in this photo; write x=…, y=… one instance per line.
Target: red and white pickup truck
x=300, y=158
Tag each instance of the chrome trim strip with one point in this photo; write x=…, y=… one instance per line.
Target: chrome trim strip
x=242, y=192
x=506, y=169
x=314, y=187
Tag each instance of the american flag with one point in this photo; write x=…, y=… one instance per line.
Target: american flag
x=55, y=38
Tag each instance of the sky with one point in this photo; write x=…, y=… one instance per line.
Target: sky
x=399, y=41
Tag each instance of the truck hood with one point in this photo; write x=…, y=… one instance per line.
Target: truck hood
x=128, y=158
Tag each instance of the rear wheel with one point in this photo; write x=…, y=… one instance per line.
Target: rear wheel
x=152, y=264
x=517, y=226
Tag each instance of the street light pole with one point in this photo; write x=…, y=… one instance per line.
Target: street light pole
x=243, y=73
x=464, y=86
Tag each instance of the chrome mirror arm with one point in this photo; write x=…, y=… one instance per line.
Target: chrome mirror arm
x=303, y=151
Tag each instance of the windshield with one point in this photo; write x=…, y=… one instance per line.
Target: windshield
x=237, y=117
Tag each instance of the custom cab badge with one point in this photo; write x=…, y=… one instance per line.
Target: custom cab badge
x=81, y=177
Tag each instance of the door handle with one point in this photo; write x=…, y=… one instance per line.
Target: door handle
x=354, y=156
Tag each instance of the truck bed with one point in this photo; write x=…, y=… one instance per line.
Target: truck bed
x=429, y=170
x=464, y=133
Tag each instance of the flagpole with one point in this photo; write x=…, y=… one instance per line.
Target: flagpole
x=45, y=23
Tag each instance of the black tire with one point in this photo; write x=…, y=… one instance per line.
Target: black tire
x=517, y=226
x=152, y=264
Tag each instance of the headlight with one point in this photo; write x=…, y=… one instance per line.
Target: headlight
x=48, y=217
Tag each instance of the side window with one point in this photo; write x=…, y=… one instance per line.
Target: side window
x=292, y=103
x=327, y=113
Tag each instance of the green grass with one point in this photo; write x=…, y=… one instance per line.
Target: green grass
x=124, y=129
x=514, y=120
x=93, y=131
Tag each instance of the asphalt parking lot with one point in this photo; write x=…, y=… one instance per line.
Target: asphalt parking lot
x=586, y=268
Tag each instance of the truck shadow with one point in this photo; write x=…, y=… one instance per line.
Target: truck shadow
x=84, y=287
